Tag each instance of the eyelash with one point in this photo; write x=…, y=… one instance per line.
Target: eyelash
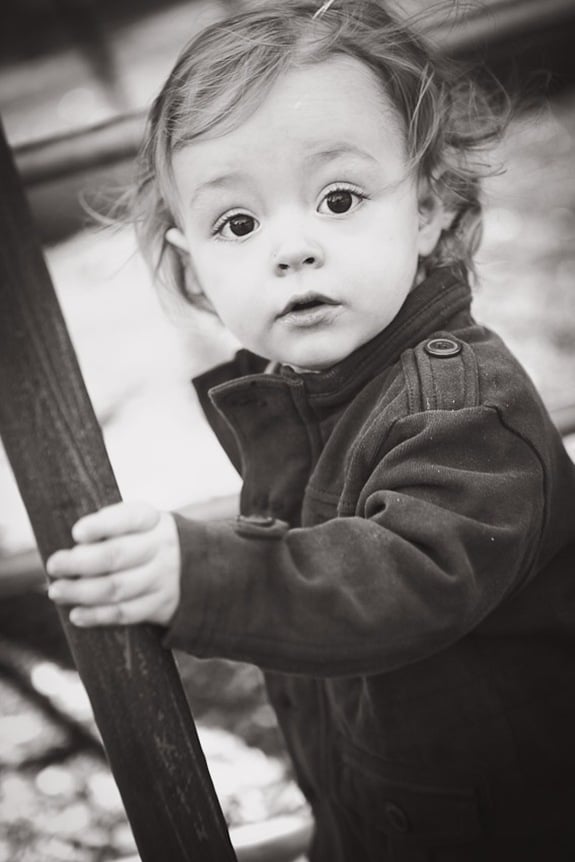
x=223, y=220
x=345, y=187
x=337, y=187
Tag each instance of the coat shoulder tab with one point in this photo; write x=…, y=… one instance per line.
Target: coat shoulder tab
x=441, y=374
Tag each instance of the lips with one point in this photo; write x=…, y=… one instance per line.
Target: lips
x=306, y=302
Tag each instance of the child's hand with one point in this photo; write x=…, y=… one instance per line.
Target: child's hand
x=125, y=568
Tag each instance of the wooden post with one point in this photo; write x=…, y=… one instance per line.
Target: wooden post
x=57, y=453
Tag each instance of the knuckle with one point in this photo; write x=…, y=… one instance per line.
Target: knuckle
x=120, y=615
x=145, y=516
x=79, y=558
x=113, y=556
x=67, y=564
x=113, y=589
x=106, y=615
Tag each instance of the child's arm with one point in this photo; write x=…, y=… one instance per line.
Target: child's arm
x=125, y=567
x=443, y=538
x=444, y=532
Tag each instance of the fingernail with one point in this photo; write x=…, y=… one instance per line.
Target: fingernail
x=77, y=618
x=53, y=591
x=77, y=531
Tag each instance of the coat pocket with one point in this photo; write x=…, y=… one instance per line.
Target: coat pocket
x=409, y=817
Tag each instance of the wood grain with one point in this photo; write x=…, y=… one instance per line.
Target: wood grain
x=57, y=453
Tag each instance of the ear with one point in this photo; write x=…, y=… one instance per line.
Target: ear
x=175, y=237
x=433, y=219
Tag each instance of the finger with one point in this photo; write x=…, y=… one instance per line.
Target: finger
x=101, y=558
x=139, y=610
x=107, y=590
x=115, y=520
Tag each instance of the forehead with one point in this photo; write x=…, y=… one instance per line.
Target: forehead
x=333, y=105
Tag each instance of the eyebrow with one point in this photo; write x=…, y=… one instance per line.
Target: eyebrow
x=339, y=150
x=321, y=157
x=219, y=182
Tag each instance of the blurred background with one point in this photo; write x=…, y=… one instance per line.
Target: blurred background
x=76, y=77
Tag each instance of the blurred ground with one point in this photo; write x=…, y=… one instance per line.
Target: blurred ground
x=137, y=364
x=58, y=800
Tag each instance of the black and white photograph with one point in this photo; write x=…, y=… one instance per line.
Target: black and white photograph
x=287, y=431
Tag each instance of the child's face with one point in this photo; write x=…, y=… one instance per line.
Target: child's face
x=304, y=225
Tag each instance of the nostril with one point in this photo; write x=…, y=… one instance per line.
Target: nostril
x=286, y=264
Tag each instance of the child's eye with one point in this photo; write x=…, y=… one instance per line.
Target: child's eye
x=341, y=200
x=235, y=225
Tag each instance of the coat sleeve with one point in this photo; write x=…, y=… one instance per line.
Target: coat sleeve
x=447, y=526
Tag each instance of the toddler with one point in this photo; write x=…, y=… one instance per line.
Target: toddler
x=402, y=567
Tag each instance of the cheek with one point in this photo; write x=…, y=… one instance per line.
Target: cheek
x=203, y=261
x=211, y=273
x=391, y=228
x=219, y=264
x=228, y=299
x=227, y=276
x=403, y=230
x=389, y=250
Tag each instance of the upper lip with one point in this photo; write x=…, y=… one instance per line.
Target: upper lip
x=305, y=299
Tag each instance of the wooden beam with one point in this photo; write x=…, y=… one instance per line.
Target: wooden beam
x=56, y=449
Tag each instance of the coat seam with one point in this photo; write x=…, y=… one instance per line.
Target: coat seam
x=529, y=556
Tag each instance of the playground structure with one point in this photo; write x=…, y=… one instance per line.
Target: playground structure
x=67, y=163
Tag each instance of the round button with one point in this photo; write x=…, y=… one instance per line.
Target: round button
x=442, y=347
x=396, y=817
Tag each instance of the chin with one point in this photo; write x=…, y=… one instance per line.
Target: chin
x=322, y=351
x=314, y=363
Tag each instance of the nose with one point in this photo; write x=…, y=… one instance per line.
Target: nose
x=297, y=255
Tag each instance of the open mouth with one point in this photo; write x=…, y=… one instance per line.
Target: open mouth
x=306, y=303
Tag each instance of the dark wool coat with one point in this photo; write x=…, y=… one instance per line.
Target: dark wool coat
x=402, y=570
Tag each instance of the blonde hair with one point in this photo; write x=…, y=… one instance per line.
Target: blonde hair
x=224, y=73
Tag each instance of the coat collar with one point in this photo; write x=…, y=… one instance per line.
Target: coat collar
x=267, y=420
x=431, y=307
x=428, y=309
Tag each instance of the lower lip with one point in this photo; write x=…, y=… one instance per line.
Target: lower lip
x=307, y=318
